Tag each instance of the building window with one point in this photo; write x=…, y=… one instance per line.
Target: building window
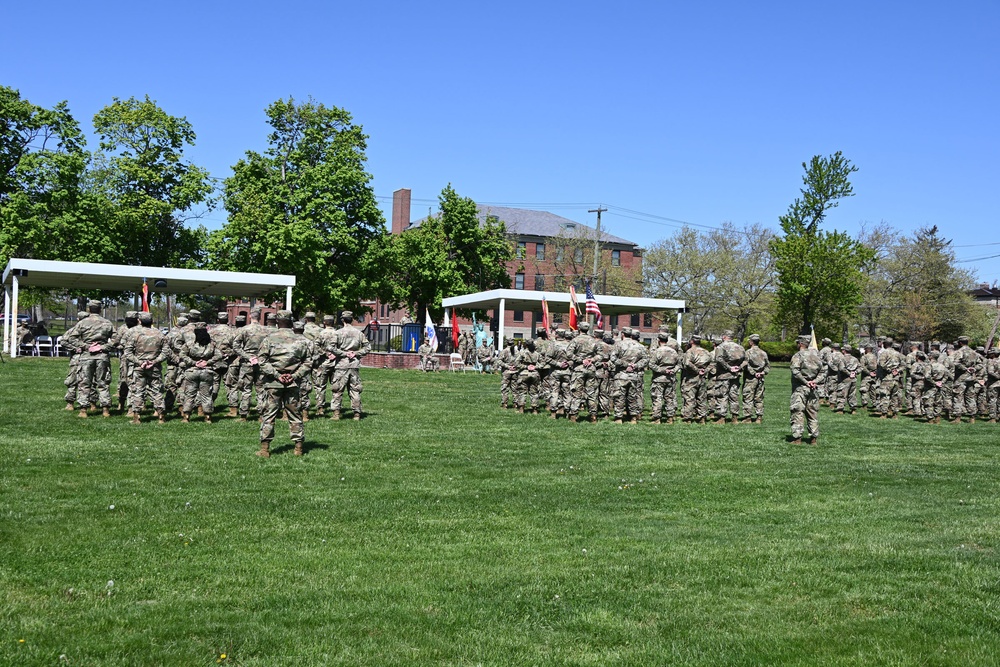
x=521, y=250
x=560, y=253
x=539, y=282
x=578, y=255
x=556, y=318
x=616, y=258
x=540, y=251
x=518, y=281
x=635, y=320
x=519, y=336
x=647, y=319
x=537, y=316
x=647, y=341
x=518, y=315
x=613, y=321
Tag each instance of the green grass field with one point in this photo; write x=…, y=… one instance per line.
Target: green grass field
x=442, y=530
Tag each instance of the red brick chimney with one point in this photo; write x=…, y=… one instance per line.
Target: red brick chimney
x=400, y=210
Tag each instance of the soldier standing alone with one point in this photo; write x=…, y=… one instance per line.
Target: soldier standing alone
x=808, y=375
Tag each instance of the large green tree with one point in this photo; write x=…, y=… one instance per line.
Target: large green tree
x=451, y=253
x=154, y=191
x=50, y=206
x=305, y=206
x=820, y=277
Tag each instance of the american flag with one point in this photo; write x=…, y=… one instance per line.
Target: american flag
x=592, y=307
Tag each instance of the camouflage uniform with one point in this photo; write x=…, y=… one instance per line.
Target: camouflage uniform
x=559, y=364
x=693, y=389
x=664, y=362
x=226, y=369
x=118, y=342
x=199, y=357
x=808, y=374
x=909, y=359
x=246, y=343
x=71, y=382
x=869, y=378
x=348, y=345
x=584, y=353
x=146, y=351
x=526, y=364
x=284, y=361
x=916, y=379
x=848, y=371
x=175, y=339
x=508, y=374
x=824, y=391
x=91, y=336
x=890, y=368
x=933, y=394
x=730, y=358
x=323, y=371
x=603, y=373
x=963, y=396
x=628, y=360
x=993, y=384
x=756, y=369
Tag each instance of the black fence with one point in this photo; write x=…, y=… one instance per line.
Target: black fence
x=405, y=338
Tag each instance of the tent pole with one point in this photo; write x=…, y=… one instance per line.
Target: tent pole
x=680, y=329
x=6, y=317
x=13, y=339
x=500, y=328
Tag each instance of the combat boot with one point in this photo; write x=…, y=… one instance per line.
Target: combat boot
x=720, y=420
x=972, y=420
x=654, y=420
x=572, y=418
x=265, y=449
x=634, y=420
x=69, y=406
x=135, y=418
x=160, y=418
x=105, y=412
x=82, y=414
x=520, y=409
x=593, y=419
x=201, y=411
x=335, y=415
x=357, y=416
x=618, y=421
x=552, y=415
x=735, y=420
x=208, y=418
x=813, y=441
x=232, y=412
x=320, y=411
x=185, y=418
x=305, y=416
x=797, y=441
x=670, y=420
x=534, y=411
x=298, y=449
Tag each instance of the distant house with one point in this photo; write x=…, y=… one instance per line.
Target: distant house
x=551, y=253
x=987, y=295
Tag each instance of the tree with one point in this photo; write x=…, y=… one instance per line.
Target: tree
x=449, y=254
x=819, y=273
x=725, y=276
x=574, y=263
x=153, y=190
x=306, y=207
x=50, y=207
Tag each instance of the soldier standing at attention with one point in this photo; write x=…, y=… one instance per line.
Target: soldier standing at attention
x=313, y=332
x=348, y=345
x=284, y=362
x=869, y=377
x=847, y=373
x=754, y=372
x=199, y=357
x=890, y=368
x=324, y=370
x=824, y=354
x=603, y=374
x=963, y=395
x=526, y=363
x=508, y=373
x=808, y=375
x=993, y=383
x=730, y=358
x=934, y=383
x=246, y=344
x=146, y=351
x=117, y=343
x=628, y=359
x=693, y=387
x=91, y=336
x=222, y=335
x=175, y=338
x=584, y=354
x=71, y=382
x=305, y=387
x=559, y=374
x=664, y=362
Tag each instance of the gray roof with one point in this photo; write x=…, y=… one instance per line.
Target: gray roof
x=527, y=222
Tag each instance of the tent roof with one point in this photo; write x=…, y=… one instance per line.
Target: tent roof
x=118, y=278
x=516, y=299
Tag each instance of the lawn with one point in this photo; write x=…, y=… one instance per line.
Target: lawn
x=442, y=530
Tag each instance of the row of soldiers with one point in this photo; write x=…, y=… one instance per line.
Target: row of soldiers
x=202, y=359
x=947, y=381
x=604, y=375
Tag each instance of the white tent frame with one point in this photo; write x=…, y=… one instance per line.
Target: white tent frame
x=84, y=276
x=515, y=299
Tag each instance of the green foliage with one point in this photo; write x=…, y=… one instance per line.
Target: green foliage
x=449, y=254
x=306, y=207
x=50, y=207
x=442, y=530
x=820, y=276
x=151, y=187
x=778, y=351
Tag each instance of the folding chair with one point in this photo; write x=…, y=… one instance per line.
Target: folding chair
x=43, y=343
x=456, y=361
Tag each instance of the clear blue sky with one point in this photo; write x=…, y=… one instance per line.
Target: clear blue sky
x=700, y=112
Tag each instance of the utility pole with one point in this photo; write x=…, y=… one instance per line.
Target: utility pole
x=597, y=249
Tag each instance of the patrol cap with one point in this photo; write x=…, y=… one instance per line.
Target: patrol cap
x=182, y=320
x=200, y=325
x=695, y=338
x=963, y=339
x=847, y=347
x=222, y=315
x=329, y=318
x=626, y=331
x=584, y=326
x=896, y=346
x=269, y=316
x=256, y=309
x=146, y=318
x=131, y=314
x=94, y=303
x=887, y=339
x=347, y=315
x=728, y=333
x=826, y=341
x=755, y=338
x=80, y=314
x=298, y=325
x=992, y=352
x=635, y=334
x=921, y=356
x=194, y=314
x=805, y=340
x=981, y=350
x=310, y=315
x=663, y=335
x=599, y=333
x=283, y=315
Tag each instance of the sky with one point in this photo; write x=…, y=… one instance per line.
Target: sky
x=666, y=112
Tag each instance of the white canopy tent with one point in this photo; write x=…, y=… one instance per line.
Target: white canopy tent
x=83, y=276
x=502, y=299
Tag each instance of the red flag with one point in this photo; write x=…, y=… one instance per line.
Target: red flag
x=454, y=334
x=145, y=296
x=545, y=314
x=573, y=308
